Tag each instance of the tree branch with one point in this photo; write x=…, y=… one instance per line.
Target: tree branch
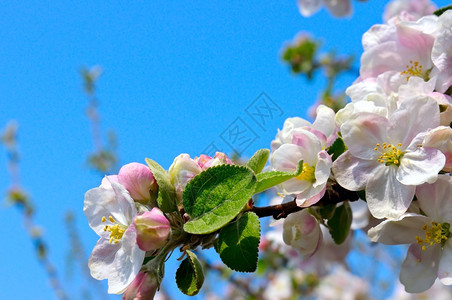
x=333, y=195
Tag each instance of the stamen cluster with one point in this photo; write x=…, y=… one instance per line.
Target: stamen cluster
x=437, y=233
x=116, y=230
x=390, y=154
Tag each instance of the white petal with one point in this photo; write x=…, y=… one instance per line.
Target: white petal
x=286, y=158
x=324, y=121
x=310, y=144
x=295, y=186
x=436, y=199
x=386, y=196
x=101, y=260
x=362, y=134
x=126, y=209
x=445, y=264
x=127, y=264
x=353, y=173
x=400, y=231
x=409, y=120
x=322, y=168
x=420, y=268
x=104, y=202
x=420, y=166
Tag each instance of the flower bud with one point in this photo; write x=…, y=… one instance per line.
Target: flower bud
x=302, y=231
x=143, y=287
x=138, y=180
x=205, y=161
x=152, y=229
x=182, y=171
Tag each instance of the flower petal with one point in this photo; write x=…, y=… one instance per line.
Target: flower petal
x=436, y=199
x=386, y=196
x=127, y=263
x=420, y=268
x=363, y=133
x=420, y=166
x=102, y=258
x=401, y=231
x=353, y=173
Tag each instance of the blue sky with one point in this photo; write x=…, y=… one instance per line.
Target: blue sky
x=177, y=74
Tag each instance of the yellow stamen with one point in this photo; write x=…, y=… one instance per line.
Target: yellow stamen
x=307, y=174
x=116, y=231
x=437, y=233
x=414, y=68
x=390, y=155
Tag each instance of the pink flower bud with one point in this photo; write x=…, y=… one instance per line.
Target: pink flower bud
x=302, y=231
x=138, y=180
x=152, y=229
x=143, y=287
x=206, y=162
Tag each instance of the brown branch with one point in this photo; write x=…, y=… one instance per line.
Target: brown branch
x=333, y=195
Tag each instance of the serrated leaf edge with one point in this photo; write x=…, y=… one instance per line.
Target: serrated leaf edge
x=257, y=248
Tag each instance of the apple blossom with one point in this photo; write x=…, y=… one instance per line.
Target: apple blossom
x=430, y=254
x=302, y=231
x=116, y=256
x=152, y=229
x=404, y=46
x=386, y=158
x=309, y=187
x=323, y=127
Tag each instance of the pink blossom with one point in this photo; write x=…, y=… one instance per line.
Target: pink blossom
x=152, y=229
x=142, y=288
x=138, y=180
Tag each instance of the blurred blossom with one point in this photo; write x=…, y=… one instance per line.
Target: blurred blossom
x=340, y=284
x=279, y=286
x=9, y=135
x=416, y=8
x=338, y=8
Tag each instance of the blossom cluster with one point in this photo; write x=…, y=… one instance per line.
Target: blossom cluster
x=131, y=227
x=390, y=147
x=397, y=135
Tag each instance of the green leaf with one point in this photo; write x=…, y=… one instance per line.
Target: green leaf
x=327, y=211
x=258, y=160
x=339, y=224
x=166, y=199
x=442, y=10
x=216, y=196
x=337, y=148
x=269, y=179
x=238, y=243
x=189, y=275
